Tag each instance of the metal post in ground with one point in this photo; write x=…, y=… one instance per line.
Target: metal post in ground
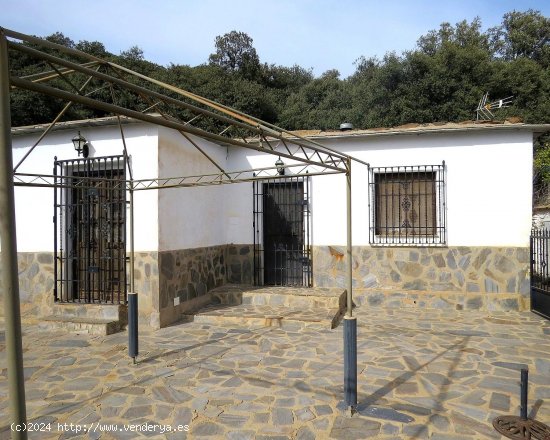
x=133, y=335
x=133, y=343
x=523, y=393
x=522, y=427
x=10, y=278
x=350, y=322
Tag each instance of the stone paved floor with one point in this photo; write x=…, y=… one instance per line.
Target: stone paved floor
x=422, y=374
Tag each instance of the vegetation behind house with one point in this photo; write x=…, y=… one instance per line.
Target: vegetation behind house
x=441, y=79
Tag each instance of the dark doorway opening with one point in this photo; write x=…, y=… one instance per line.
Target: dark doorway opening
x=90, y=231
x=282, y=228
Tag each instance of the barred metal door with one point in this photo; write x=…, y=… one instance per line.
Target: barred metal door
x=540, y=272
x=90, y=230
x=282, y=229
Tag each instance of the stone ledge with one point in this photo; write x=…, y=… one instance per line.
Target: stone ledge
x=268, y=316
x=396, y=298
x=95, y=326
x=92, y=311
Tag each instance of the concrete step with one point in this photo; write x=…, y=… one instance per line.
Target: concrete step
x=92, y=326
x=295, y=297
x=96, y=319
x=254, y=316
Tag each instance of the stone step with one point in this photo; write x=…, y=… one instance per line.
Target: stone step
x=116, y=312
x=295, y=297
x=95, y=319
x=92, y=326
x=254, y=316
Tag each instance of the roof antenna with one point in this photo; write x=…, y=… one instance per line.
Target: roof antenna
x=483, y=110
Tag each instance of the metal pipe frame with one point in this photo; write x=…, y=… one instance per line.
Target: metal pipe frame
x=8, y=261
x=115, y=109
x=131, y=193
x=222, y=108
x=253, y=125
x=52, y=124
x=47, y=180
x=306, y=154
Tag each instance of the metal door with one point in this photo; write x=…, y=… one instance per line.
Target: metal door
x=540, y=273
x=90, y=231
x=282, y=228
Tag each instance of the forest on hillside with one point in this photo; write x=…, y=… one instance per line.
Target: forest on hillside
x=441, y=78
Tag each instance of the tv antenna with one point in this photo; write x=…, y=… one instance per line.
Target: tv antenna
x=483, y=110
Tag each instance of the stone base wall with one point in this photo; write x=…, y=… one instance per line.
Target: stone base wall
x=399, y=299
x=36, y=285
x=457, y=277
x=160, y=278
x=474, y=271
x=36, y=282
x=186, y=277
x=146, y=284
x=240, y=263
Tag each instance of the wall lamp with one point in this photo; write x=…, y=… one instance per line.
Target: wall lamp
x=280, y=166
x=81, y=145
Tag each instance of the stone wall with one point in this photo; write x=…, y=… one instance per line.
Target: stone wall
x=160, y=278
x=146, y=284
x=190, y=273
x=36, y=284
x=187, y=275
x=36, y=281
x=240, y=263
x=456, y=277
x=453, y=272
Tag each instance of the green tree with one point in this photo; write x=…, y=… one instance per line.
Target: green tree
x=523, y=34
x=92, y=47
x=235, y=53
x=323, y=103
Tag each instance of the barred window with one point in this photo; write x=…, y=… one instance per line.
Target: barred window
x=407, y=205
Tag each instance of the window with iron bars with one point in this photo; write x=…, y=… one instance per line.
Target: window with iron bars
x=407, y=205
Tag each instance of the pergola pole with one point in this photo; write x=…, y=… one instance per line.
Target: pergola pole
x=132, y=253
x=349, y=268
x=10, y=278
x=133, y=314
x=350, y=322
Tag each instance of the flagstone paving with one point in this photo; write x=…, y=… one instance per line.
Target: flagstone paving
x=423, y=374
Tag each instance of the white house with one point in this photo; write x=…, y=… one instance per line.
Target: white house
x=441, y=218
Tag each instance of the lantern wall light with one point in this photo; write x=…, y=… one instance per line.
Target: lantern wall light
x=81, y=145
x=280, y=166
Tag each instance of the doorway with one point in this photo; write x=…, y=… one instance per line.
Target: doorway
x=90, y=231
x=282, y=228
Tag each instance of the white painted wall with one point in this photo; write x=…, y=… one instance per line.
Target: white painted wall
x=190, y=217
x=489, y=188
x=34, y=206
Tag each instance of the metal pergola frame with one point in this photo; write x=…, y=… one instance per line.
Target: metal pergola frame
x=307, y=157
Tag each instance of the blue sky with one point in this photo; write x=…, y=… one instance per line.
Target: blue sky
x=318, y=34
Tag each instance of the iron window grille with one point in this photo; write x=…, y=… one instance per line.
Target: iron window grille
x=282, y=232
x=90, y=263
x=407, y=205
